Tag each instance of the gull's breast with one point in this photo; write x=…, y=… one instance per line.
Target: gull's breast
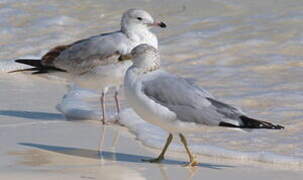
x=148, y=109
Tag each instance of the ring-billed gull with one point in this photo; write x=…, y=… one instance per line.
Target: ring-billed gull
x=175, y=104
x=99, y=62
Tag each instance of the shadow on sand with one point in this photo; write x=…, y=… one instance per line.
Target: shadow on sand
x=116, y=156
x=32, y=115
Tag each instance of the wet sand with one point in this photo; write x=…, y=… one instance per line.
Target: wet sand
x=248, y=54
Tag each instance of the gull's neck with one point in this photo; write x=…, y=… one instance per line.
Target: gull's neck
x=140, y=34
x=145, y=65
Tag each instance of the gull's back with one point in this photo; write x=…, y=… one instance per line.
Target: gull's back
x=86, y=54
x=189, y=102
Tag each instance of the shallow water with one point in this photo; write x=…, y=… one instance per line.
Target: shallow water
x=245, y=52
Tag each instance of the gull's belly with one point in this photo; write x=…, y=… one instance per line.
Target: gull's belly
x=103, y=76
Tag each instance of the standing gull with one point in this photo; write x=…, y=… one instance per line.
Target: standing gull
x=175, y=104
x=99, y=62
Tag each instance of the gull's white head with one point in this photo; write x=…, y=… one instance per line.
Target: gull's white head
x=136, y=18
x=146, y=57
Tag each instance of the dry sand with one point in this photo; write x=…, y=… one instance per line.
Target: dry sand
x=38, y=143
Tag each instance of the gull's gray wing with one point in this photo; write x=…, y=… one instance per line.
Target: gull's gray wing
x=189, y=102
x=85, y=54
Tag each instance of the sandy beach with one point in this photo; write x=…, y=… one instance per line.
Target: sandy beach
x=245, y=53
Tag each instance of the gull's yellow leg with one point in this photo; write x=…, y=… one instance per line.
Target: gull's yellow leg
x=161, y=156
x=192, y=161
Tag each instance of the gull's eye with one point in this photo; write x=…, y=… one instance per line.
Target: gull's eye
x=139, y=18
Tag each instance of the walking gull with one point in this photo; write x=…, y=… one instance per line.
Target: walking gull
x=99, y=62
x=175, y=104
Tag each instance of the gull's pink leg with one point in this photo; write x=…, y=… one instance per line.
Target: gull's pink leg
x=103, y=107
x=117, y=102
x=116, y=96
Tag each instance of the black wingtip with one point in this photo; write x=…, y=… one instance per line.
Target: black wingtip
x=38, y=67
x=23, y=70
x=249, y=123
x=31, y=62
x=226, y=124
x=258, y=124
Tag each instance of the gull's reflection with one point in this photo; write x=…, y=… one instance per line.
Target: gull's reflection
x=112, y=147
x=191, y=170
x=163, y=172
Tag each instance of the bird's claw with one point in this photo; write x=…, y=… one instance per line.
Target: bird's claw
x=156, y=160
x=192, y=163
